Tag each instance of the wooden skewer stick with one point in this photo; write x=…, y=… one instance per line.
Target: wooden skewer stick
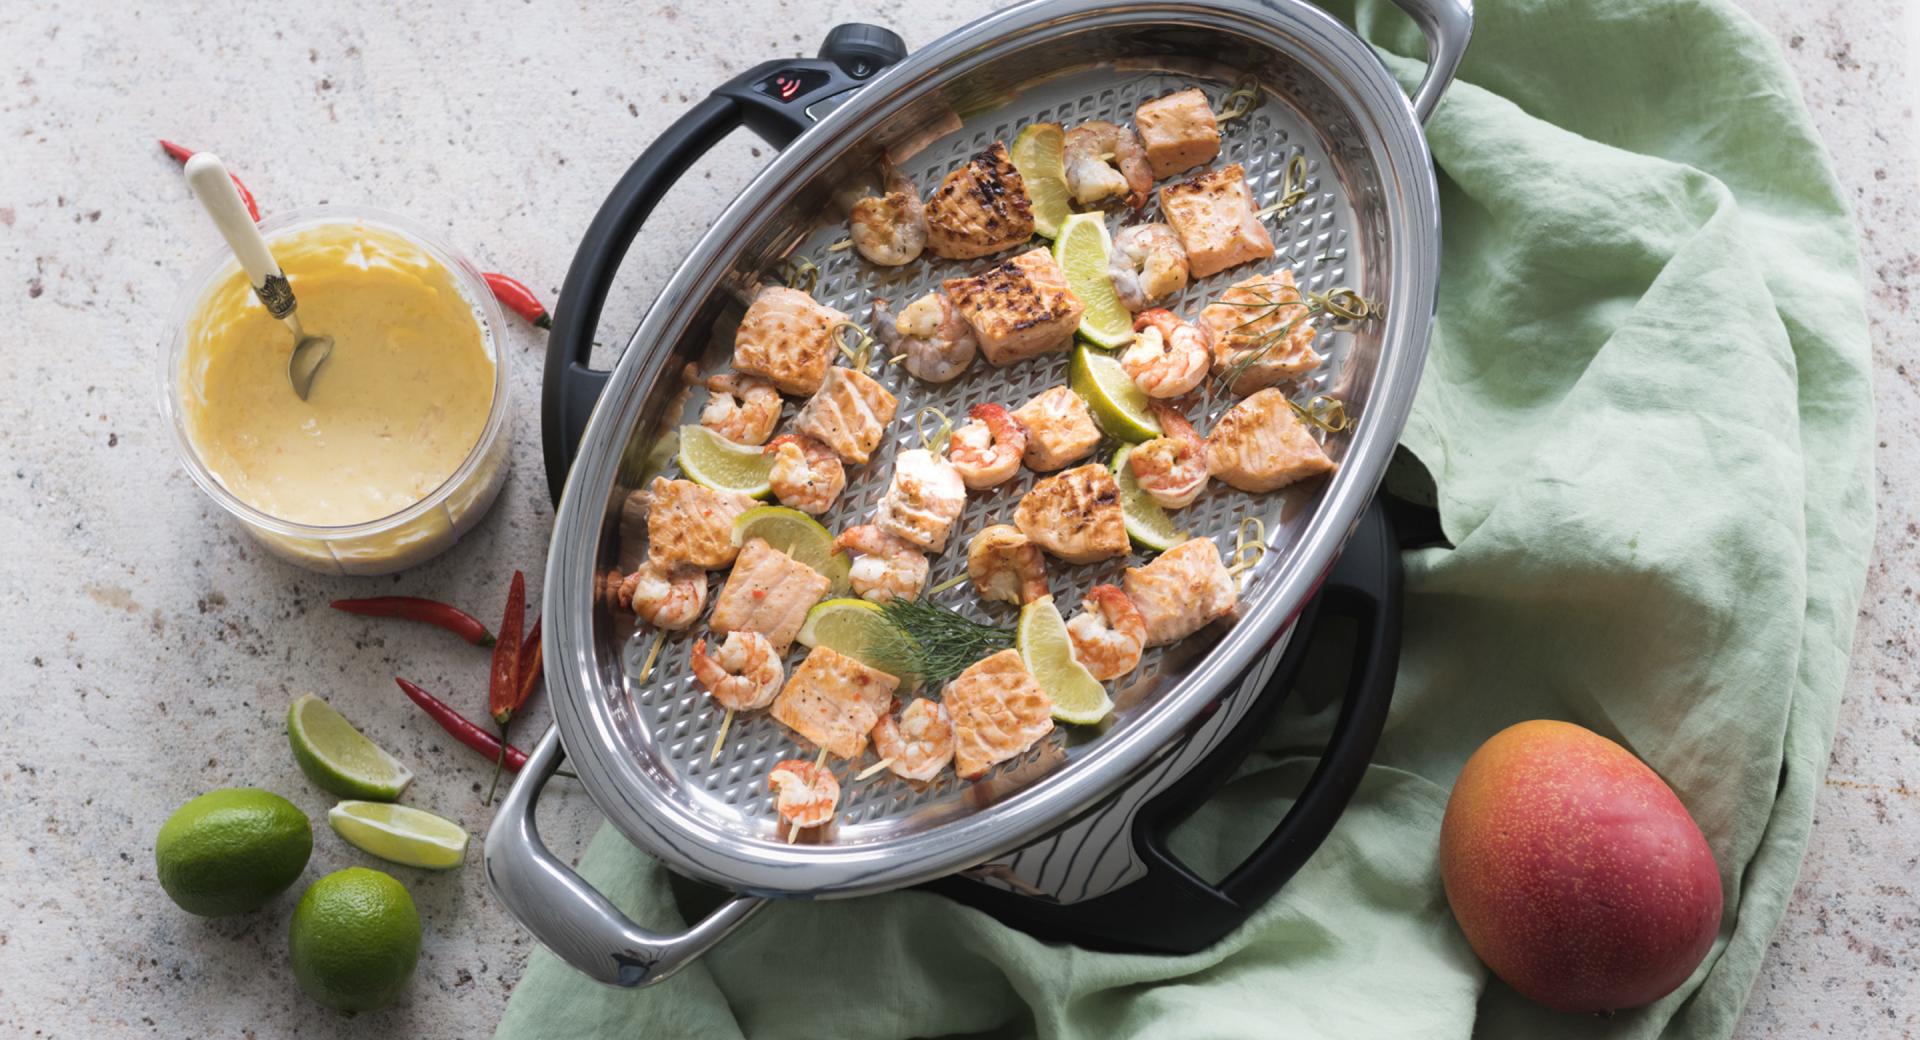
x=720, y=738
x=874, y=768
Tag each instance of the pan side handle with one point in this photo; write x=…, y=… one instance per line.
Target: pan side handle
x=571, y=917
x=1448, y=25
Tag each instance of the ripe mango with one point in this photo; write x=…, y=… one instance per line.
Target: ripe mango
x=1574, y=870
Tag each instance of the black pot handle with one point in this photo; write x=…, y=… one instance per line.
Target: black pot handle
x=777, y=100
x=1170, y=909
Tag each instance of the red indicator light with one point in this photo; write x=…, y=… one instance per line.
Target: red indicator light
x=787, y=87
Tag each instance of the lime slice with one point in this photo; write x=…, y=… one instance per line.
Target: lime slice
x=1042, y=637
x=1148, y=524
x=398, y=834
x=335, y=756
x=1039, y=153
x=710, y=459
x=1118, y=405
x=1081, y=251
x=790, y=531
x=839, y=570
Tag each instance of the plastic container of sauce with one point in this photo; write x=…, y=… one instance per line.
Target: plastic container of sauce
x=400, y=446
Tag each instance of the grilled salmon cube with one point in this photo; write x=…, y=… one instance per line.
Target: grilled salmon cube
x=980, y=209
x=787, y=337
x=1181, y=591
x=691, y=523
x=1075, y=515
x=1179, y=131
x=834, y=700
x=767, y=592
x=1018, y=309
x=1060, y=429
x=998, y=711
x=1261, y=445
x=849, y=414
x=1259, y=333
x=1214, y=216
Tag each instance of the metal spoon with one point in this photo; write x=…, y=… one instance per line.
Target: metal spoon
x=208, y=178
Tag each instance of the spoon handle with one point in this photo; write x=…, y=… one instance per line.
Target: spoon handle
x=212, y=185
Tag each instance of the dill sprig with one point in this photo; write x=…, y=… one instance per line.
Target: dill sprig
x=933, y=643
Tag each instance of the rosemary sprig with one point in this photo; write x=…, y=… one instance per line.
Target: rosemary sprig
x=934, y=643
x=1343, y=304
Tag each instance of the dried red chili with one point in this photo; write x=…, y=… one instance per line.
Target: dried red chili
x=516, y=297
x=503, y=682
x=413, y=608
x=181, y=153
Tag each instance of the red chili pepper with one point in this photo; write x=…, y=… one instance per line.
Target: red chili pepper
x=509, y=757
x=413, y=608
x=181, y=153
x=530, y=665
x=516, y=297
x=503, y=683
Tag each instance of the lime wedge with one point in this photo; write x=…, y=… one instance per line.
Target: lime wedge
x=839, y=570
x=1039, y=153
x=790, y=531
x=710, y=459
x=1148, y=524
x=1118, y=405
x=410, y=837
x=338, y=758
x=1081, y=251
x=855, y=627
x=1042, y=637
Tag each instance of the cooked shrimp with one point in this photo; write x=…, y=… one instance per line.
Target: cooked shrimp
x=1005, y=565
x=1108, y=634
x=806, y=475
x=918, y=743
x=805, y=794
x=890, y=229
x=666, y=595
x=1093, y=151
x=1168, y=357
x=742, y=674
x=936, y=340
x=1148, y=263
x=923, y=500
x=884, y=567
x=742, y=408
x=986, y=449
x=1172, y=468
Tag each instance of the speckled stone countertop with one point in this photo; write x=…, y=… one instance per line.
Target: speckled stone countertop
x=153, y=648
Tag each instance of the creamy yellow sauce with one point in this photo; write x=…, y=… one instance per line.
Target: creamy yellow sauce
x=391, y=415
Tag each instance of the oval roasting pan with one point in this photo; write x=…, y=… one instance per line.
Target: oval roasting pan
x=1369, y=220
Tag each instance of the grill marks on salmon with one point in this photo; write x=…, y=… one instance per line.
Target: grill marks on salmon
x=787, y=337
x=1019, y=309
x=834, y=700
x=691, y=523
x=849, y=414
x=1261, y=445
x=1214, y=216
x=767, y=592
x=1075, y=515
x=1060, y=429
x=998, y=711
x=980, y=209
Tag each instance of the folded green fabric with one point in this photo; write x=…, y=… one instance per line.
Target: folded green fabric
x=1648, y=426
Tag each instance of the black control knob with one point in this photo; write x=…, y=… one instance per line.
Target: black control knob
x=861, y=49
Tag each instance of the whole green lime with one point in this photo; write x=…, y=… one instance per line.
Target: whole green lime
x=355, y=939
x=230, y=851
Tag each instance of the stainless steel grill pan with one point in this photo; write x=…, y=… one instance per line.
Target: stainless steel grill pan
x=1369, y=221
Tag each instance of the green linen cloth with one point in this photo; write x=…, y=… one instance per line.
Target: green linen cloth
x=1647, y=423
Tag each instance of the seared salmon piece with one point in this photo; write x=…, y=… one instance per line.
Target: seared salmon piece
x=1018, y=309
x=998, y=711
x=924, y=499
x=980, y=209
x=834, y=700
x=1181, y=591
x=691, y=523
x=787, y=337
x=850, y=413
x=767, y=592
x=1060, y=429
x=1214, y=216
x=1259, y=333
x=1075, y=515
x=1179, y=131
x=1261, y=445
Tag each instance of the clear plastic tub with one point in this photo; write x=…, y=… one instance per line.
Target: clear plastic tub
x=409, y=536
